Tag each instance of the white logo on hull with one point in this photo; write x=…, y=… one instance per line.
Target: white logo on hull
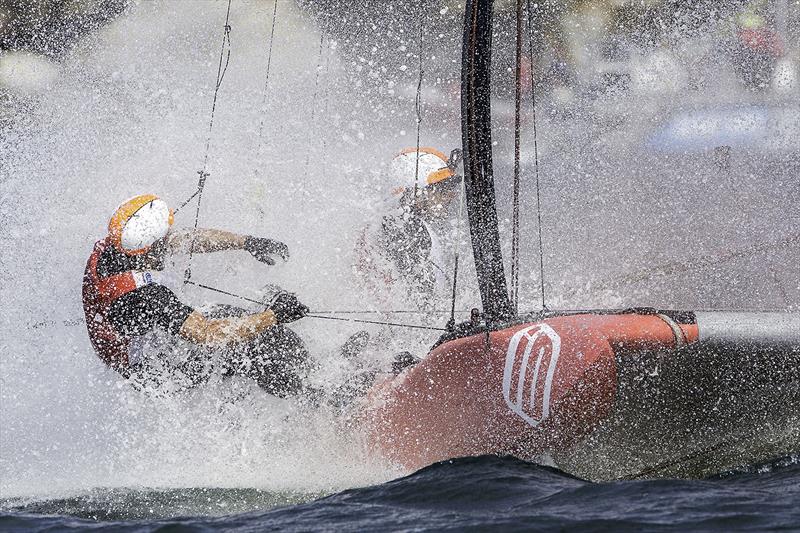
x=547, y=355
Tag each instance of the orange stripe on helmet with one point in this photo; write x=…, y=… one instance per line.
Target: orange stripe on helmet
x=440, y=175
x=425, y=150
x=123, y=214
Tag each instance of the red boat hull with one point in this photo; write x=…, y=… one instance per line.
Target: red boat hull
x=522, y=390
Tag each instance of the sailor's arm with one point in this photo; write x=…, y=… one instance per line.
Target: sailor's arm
x=155, y=306
x=205, y=240
x=201, y=330
x=211, y=240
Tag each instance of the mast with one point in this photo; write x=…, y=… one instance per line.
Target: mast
x=476, y=138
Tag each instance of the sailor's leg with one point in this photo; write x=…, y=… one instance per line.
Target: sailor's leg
x=224, y=311
x=175, y=368
x=358, y=379
x=354, y=346
x=197, y=366
x=356, y=386
x=277, y=359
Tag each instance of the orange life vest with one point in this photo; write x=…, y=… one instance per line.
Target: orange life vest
x=98, y=295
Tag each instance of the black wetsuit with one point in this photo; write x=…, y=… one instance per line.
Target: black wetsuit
x=407, y=243
x=277, y=358
x=147, y=307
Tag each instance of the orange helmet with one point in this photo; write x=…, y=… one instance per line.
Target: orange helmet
x=412, y=168
x=139, y=222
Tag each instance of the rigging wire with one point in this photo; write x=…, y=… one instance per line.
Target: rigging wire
x=536, y=154
x=326, y=99
x=515, y=201
x=316, y=91
x=318, y=315
x=418, y=98
x=266, y=79
x=222, y=68
x=263, y=111
x=452, y=322
x=389, y=312
x=378, y=322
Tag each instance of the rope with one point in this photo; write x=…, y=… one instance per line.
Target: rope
x=263, y=110
x=214, y=289
x=391, y=312
x=515, y=201
x=536, y=154
x=418, y=98
x=318, y=316
x=381, y=323
x=316, y=92
x=452, y=322
x=326, y=99
x=222, y=68
x=266, y=79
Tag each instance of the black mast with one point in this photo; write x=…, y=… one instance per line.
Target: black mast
x=476, y=138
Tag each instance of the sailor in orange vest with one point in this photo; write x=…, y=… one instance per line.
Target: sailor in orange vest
x=124, y=300
x=411, y=248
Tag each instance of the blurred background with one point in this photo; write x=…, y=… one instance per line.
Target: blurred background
x=590, y=56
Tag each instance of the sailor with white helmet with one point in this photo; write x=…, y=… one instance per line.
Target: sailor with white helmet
x=411, y=248
x=125, y=299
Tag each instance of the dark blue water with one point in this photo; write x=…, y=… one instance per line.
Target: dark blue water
x=463, y=494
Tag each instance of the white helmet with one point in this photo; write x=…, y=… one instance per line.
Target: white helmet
x=139, y=222
x=412, y=169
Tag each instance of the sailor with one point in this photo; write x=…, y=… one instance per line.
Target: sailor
x=128, y=304
x=412, y=246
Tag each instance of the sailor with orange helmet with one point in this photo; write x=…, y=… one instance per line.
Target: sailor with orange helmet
x=411, y=246
x=125, y=299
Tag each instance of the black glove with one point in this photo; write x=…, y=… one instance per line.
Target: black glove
x=262, y=249
x=287, y=308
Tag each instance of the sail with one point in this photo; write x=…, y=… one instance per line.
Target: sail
x=476, y=118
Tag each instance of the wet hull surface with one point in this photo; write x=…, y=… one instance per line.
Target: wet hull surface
x=604, y=396
x=692, y=414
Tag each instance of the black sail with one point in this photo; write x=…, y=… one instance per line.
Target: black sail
x=476, y=138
